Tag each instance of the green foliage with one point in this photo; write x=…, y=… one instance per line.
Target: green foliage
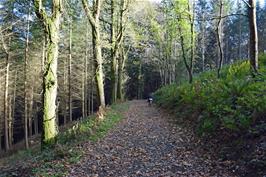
x=230, y=103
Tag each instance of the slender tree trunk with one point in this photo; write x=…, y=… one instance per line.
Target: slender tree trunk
x=51, y=25
x=192, y=41
x=86, y=81
x=25, y=83
x=188, y=65
x=190, y=75
x=65, y=91
x=10, y=122
x=203, y=43
x=219, y=39
x=36, y=123
x=93, y=17
x=6, y=103
x=83, y=94
x=30, y=115
x=123, y=55
x=114, y=67
x=86, y=86
x=253, y=36
x=92, y=91
x=140, y=81
x=239, y=32
x=14, y=105
x=123, y=58
x=70, y=72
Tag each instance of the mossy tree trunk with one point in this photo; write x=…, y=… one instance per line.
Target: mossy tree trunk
x=121, y=68
x=93, y=17
x=51, y=25
x=123, y=55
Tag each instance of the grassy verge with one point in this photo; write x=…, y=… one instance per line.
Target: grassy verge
x=68, y=150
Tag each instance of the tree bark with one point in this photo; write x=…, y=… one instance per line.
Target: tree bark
x=253, y=36
x=123, y=55
x=122, y=60
x=85, y=92
x=114, y=66
x=70, y=72
x=182, y=43
x=203, y=43
x=93, y=17
x=14, y=105
x=192, y=39
x=25, y=83
x=51, y=25
x=6, y=91
x=6, y=101
x=219, y=39
x=65, y=91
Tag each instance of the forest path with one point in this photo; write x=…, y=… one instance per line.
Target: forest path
x=146, y=143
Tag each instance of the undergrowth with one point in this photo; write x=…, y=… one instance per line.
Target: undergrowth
x=232, y=103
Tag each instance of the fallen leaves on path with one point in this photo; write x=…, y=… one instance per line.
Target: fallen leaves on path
x=146, y=143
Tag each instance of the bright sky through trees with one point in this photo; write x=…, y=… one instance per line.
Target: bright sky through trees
x=261, y=3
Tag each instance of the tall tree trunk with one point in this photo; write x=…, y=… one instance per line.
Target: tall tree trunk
x=51, y=25
x=140, y=81
x=14, y=105
x=123, y=58
x=188, y=65
x=30, y=115
x=6, y=92
x=192, y=39
x=83, y=94
x=253, y=36
x=119, y=48
x=86, y=81
x=65, y=91
x=219, y=39
x=93, y=17
x=70, y=71
x=86, y=85
x=182, y=42
x=114, y=66
x=92, y=91
x=6, y=102
x=25, y=82
x=10, y=121
x=203, y=43
x=239, y=32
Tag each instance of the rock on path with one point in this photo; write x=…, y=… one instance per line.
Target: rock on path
x=146, y=143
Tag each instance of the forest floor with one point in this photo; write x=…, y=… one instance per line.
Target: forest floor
x=146, y=142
